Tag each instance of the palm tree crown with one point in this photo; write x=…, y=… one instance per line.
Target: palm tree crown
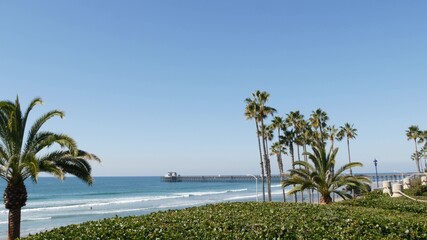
x=318, y=119
x=414, y=133
x=25, y=156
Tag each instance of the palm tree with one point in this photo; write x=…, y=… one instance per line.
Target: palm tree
x=261, y=98
x=414, y=133
x=251, y=112
x=268, y=133
x=318, y=175
x=349, y=132
x=318, y=119
x=23, y=155
x=277, y=149
x=305, y=138
x=278, y=123
x=288, y=139
x=296, y=120
x=332, y=133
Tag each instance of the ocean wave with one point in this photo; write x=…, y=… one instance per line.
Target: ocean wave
x=36, y=219
x=191, y=194
x=117, y=211
x=93, y=204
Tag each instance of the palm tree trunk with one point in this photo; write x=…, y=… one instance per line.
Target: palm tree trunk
x=299, y=159
x=261, y=162
x=266, y=160
x=280, y=164
x=349, y=159
x=291, y=150
x=417, y=159
x=321, y=132
x=268, y=167
x=15, y=197
x=305, y=160
x=333, y=168
x=325, y=199
x=14, y=223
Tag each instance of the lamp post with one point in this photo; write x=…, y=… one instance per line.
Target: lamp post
x=256, y=185
x=376, y=171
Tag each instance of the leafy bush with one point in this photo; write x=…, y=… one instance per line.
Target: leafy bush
x=378, y=200
x=357, y=219
x=359, y=191
x=418, y=190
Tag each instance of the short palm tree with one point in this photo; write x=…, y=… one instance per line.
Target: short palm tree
x=23, y=155
x=320, y=177
x=414, y=133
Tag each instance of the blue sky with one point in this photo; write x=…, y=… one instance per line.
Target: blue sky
x=155, y=86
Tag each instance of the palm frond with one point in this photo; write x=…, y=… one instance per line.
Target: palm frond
x=38, y=124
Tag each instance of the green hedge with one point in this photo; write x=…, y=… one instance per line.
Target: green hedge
x=353, y=220
x=378, y=200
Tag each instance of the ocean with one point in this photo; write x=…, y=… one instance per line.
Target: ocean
x=53, y=203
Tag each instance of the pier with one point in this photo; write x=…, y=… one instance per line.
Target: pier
x=276, y=178
x=214, y=178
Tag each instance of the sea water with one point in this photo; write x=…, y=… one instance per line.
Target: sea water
x=53, y=203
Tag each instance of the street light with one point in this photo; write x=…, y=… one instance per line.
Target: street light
x=256, y=185
x=376, y=171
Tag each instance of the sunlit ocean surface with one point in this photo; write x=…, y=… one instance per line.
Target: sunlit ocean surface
x=52, y=203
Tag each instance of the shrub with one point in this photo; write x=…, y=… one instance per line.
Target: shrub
x=356, y=219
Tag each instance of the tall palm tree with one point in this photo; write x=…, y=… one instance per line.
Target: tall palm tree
x=278, y=123
x=278, y=149
x=24, y=155
x=251, y=112
x=288, y=139
x=318, y=175
x=305, y=138
x=332, y=133
x=268, y=134
x=318, y=119
x=261, y=98
x=414, y=133
x=296, y=120
x=349, y=132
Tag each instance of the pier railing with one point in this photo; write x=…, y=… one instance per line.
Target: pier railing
x=276, y=178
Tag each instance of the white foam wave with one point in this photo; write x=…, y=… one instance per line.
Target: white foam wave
x=118, y=211
x=190, y=194
x=36, y=219
x=120, y=201
x=240, y=197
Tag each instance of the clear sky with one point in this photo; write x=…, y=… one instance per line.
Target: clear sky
x=156, y=86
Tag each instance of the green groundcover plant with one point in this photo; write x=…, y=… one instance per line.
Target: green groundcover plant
x=373, y=217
